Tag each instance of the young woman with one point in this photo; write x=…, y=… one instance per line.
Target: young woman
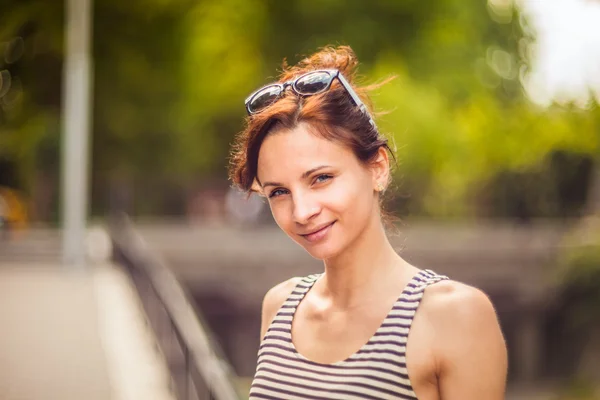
x=371, y=326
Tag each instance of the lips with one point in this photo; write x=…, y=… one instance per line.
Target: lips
x=318, y=234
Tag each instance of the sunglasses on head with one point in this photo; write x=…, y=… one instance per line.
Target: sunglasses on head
x=307, y=84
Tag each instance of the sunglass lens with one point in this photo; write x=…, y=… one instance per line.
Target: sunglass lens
x=264, y=98
x=312, y=83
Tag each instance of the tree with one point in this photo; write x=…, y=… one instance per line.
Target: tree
x=170, y=79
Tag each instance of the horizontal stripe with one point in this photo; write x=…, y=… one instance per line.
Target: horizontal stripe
x=275, y=329
x=395, y=324
x=376, y=371
x=383, y=356
x=268, y=357
x=274, y=393
x=386, y=331
x=273, y=345
x=322, y=393
x=384, y=348
x=282, y=322
x=384, y=343
x=370, y=373
x=273, y=336
x=349, y=387
x=401, y=354
x=400, y=310
x=287, y=391
x=305, y=374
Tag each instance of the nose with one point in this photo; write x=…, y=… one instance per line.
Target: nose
x=305, y=208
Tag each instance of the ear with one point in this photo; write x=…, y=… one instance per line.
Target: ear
x=380, y=168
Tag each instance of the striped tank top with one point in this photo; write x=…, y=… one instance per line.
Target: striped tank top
x=376, y=371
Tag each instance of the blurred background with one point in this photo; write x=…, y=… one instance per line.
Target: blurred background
x=494, y=114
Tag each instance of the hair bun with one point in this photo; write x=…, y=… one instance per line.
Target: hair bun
x=341, y=58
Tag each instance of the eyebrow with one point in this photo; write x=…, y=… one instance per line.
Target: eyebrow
x=303, y=176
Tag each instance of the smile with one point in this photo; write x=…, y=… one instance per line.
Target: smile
x=318, y=234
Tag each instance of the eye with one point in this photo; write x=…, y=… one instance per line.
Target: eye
x=323, y=178
x=277, y=193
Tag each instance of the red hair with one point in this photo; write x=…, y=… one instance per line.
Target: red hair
x=331, y=115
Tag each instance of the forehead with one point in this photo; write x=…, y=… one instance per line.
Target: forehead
x=298, y=150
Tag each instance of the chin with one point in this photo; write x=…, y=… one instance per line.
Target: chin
x=322, y=251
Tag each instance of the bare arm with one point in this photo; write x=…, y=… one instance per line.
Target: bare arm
x=471, y=357
x=273, y=301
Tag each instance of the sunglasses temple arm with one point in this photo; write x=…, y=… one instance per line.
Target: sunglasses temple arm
x=355, y=97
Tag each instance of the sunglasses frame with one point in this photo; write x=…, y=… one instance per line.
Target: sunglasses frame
x=333, y=73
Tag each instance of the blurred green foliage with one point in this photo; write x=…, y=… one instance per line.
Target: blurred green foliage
x=579, y=274
x=579, y=390
x=170, y=78
x=575, y=314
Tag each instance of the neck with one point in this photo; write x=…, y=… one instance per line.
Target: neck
x=367, y=268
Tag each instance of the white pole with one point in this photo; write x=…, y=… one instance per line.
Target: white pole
x=76, y=106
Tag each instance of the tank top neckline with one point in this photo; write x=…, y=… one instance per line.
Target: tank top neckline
x=419, y=278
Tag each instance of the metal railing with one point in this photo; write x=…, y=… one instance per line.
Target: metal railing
x=196, y=362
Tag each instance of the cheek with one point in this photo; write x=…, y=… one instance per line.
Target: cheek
x=351, y=198
x=281, y=214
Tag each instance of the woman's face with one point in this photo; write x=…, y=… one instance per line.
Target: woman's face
x=319, y=193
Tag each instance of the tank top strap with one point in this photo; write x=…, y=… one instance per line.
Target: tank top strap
x=407, y=304
x=425, y=278
x=282, y=323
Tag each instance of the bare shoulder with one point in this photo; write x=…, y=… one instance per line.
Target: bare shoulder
x=278, y=294
x=274, y=299
x=459, y=311
x=468, y=340
x=449, y=300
